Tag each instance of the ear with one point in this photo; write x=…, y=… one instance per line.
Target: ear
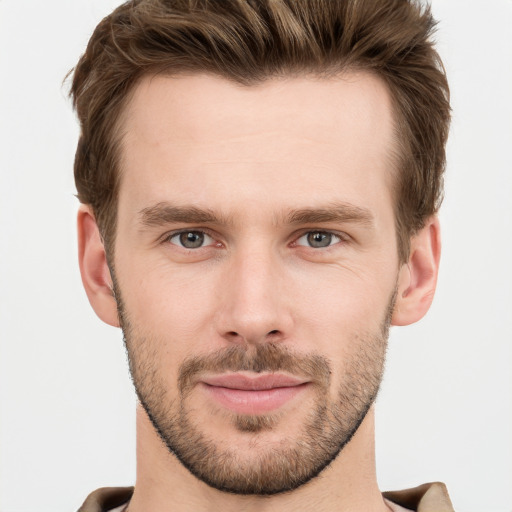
x=418, y=277
x=95, y=273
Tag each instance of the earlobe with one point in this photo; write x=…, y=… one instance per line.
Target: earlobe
x=418, y=277
x=94, y=269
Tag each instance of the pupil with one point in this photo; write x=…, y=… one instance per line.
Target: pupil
x=319, y=239
x=192, y=240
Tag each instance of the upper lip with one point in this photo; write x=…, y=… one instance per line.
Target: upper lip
x=253, y=383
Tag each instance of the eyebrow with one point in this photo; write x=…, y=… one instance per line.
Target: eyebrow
x=336, y=212
x=166, y=213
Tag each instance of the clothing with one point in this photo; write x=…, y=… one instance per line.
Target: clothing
x=392, y=506
x=121, y=508
x=431, y=497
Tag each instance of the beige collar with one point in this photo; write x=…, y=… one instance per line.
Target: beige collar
x=432, y=497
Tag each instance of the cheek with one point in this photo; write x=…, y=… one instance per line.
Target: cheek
x=340, y=301
x=331, y=306
x=170, y=309
x=167, y=326
x=343, y=321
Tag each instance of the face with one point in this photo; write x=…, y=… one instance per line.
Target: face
x=255, y=269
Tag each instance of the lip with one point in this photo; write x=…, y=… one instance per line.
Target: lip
x=245, y=394
x=250, y=383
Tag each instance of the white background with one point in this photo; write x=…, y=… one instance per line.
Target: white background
x=66, y=402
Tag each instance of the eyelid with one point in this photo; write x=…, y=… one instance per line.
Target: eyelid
x=166, y=238
x=343, y=236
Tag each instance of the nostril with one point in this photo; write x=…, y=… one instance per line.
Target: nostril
x=275, y=331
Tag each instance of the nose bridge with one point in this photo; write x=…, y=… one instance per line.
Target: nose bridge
x=254, y=308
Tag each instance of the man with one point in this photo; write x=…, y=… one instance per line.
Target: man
x=259, y=184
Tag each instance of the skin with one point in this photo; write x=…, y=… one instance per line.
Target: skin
x=254, y=156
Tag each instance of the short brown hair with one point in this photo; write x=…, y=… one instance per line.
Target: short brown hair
x=248, y=41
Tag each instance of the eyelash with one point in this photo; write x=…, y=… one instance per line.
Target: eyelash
x=170, y=236
x=343, y=238
x=330, y=234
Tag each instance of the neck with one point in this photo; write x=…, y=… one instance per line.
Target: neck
x=347, y=484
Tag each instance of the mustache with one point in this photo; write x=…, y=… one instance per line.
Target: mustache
x=267, y=357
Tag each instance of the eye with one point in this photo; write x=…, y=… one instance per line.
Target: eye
x=318, y=239
x=191, y=239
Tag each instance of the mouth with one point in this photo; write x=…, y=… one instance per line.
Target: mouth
x=253, y=394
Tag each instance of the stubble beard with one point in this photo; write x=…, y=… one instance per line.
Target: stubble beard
x=263, y=470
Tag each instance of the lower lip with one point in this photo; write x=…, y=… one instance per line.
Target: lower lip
x=254, y=402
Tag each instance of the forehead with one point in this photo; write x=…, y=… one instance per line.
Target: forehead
x=191, y=136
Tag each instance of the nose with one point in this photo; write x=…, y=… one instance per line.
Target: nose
x=254, y=305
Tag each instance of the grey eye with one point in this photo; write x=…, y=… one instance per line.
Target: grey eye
x=318, y=239
x=190, y=239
